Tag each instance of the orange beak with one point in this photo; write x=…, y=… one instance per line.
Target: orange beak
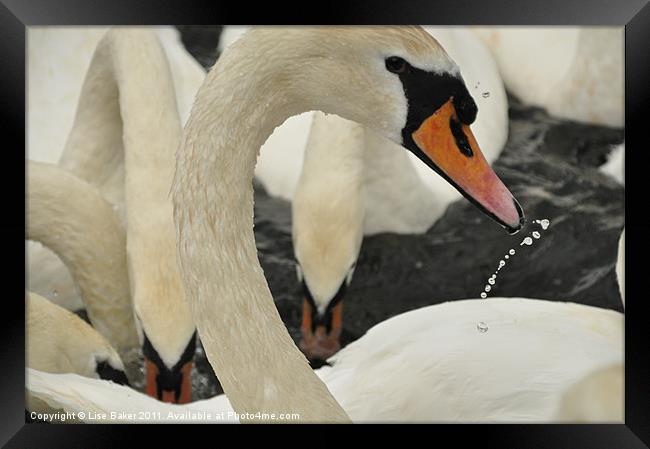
x=180, y=395
x=453, y=152
x=316, y=342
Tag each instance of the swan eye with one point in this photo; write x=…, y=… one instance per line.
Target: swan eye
x=395, y=64
x=299, y=272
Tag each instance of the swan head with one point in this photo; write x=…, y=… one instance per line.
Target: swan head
x=169, y=384
x=326, y=248
x=327, y=220
x=110, y=370
x=400, y=82
x=168, y=337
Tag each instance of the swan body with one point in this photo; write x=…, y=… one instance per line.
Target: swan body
x=106, y=402
x=598, y=396
x=431, y=365
x=574, y=73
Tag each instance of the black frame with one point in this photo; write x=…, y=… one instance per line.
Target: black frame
x=15, y=15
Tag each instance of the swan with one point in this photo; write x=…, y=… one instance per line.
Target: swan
x=426, y=365
x=103, y=401
x=242, y=332
x=598, y=397
x=346, y=188
x=61, y=342
x=574, y=73
x=58, y=61
x=72, y=218
x=59, y=58
x=58, y=341
x=288, y=142
x=128, y=90
x=487, y=395
x=398, y=81
x=342, y=194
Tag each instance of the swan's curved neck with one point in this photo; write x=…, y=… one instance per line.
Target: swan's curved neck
x=127, y=113
x=258, y=364
x=71, y=217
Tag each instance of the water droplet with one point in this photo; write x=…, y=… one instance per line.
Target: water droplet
x=418, y=264
x=527, y=241
x=507, y=256
x=488, y=288
x=502, y=263
x=536, y=234
x=486, y=94
x=483, y=295
x=512, y=252
x=545, y=223
x=491, y=281
x=482, y=327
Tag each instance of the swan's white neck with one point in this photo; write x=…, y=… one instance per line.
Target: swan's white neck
x=127, y=114
x=71, y=217
x=257, y=363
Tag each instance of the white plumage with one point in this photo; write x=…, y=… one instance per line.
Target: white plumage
x=574, y=73
x=430, y=365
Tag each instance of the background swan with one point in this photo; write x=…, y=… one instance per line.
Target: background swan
x=61, y=342
x=58, y=341
x=575, y=73
x=74, y=393
x=127, y=124
x=355, y=182
x=599, y=396
x=59, y=58
x=72, y=218
x=257, y=363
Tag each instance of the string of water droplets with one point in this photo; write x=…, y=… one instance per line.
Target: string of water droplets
x=527, y=241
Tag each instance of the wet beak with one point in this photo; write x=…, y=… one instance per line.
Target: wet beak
x=448, y=146
x=320, y=340
x=180, y=394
